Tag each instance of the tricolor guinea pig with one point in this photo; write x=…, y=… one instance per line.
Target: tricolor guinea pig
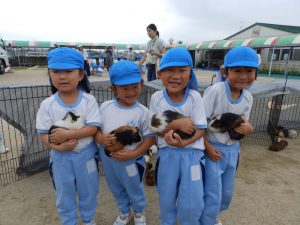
x=227, y=122
x=160, y=121
x=125, y=135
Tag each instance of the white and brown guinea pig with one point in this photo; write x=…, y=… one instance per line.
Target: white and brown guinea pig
x=227, y=122
x=125, y=135
x=160, y=121
x=70, y=121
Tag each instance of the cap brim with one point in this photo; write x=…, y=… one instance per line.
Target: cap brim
x=243, y=63
x=132, y=80
x=171, y=64
x=63, y=66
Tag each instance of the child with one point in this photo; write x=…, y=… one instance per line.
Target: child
x=179, y=163
x=124, y=169
x=74, y=172
x=223, y=154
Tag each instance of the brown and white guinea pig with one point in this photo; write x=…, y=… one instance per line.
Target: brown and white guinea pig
x=70, y=121
x=279, y=144
x=150, y=170
x=125, y=135
x=160, y=121
x=227, y=122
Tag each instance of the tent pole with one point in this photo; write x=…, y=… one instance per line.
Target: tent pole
x=286, y=68
x=270, y=68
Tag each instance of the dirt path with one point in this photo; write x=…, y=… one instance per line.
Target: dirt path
x=266, y=193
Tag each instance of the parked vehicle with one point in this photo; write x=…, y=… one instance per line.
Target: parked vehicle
x=4, y=63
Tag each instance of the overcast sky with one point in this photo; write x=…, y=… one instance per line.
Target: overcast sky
x=125, y=21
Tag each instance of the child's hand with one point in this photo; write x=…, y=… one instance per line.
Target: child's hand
x=245, y=128
x=105, y=139
x=68, y=145
x=123, y=155
x=213, y=153
x=173, y=139
x=186, y=125
x=58, y=136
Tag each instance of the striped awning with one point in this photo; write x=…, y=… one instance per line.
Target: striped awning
x=290, y=40
x=48, y=44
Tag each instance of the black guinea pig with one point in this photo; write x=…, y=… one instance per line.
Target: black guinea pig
x=227, y=122
x=160, y=121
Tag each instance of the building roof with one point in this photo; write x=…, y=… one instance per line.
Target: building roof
x=286, y=28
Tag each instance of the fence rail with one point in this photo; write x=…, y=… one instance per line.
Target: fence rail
x=27, y=155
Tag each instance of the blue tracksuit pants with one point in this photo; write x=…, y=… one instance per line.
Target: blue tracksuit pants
x=219, y=182
x=180, y=185
x=75, y=174
x=125, y=181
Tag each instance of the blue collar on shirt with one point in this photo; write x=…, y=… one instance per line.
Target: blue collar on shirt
x=169, y=100
x=228, y=93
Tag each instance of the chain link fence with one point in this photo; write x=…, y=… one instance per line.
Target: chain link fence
x=27, y=155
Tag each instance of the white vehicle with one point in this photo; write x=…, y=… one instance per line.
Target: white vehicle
x=4, y=63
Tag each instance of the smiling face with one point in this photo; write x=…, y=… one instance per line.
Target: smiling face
x=66, y=81
x=240, y=77
x=127, y=94
x=175, y=79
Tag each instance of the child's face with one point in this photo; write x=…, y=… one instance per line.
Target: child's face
x=66, y=80
x=240, y=77
x=128, y=94
x=175, y=79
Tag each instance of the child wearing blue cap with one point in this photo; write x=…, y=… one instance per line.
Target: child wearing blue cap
x=72, y=158
x=180, y=162
x=241, y=64
x=124, y=169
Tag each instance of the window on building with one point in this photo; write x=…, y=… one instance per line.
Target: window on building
x=296, y=54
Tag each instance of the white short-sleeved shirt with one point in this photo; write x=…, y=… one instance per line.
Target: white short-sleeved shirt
x=53, y=109
x=218, y=100
x=113, y=115
x=191, y=106
x=157, y=44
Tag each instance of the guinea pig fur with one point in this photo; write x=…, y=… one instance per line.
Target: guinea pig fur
x=69, y=122
x=125, y=135
x=160, y=121
x=279, y=144
x=227, y=122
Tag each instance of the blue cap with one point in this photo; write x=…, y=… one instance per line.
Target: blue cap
x=179, y=57
x=65, y=58
x=241, y=56
x=125, y=72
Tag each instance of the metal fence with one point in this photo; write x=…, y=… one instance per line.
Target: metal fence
x=27, y=155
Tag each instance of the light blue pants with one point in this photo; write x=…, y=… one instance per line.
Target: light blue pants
x=180, y=185
x=219, y=182
x=125, y=181
x=75, y=173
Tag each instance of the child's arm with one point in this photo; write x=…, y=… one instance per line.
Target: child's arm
x=211, y=151
x=176, y=141
x=245, y=128
x=141, y=149
x=104, y=139
x=60, y=135
x=65, y=146
x=184, y=124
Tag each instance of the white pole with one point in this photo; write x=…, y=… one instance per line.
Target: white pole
x=271, y=61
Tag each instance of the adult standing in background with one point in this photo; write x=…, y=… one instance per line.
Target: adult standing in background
x=109, y=57
x=130, y=54
x=154, y=50
x=86, y=57
x=221, y=75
